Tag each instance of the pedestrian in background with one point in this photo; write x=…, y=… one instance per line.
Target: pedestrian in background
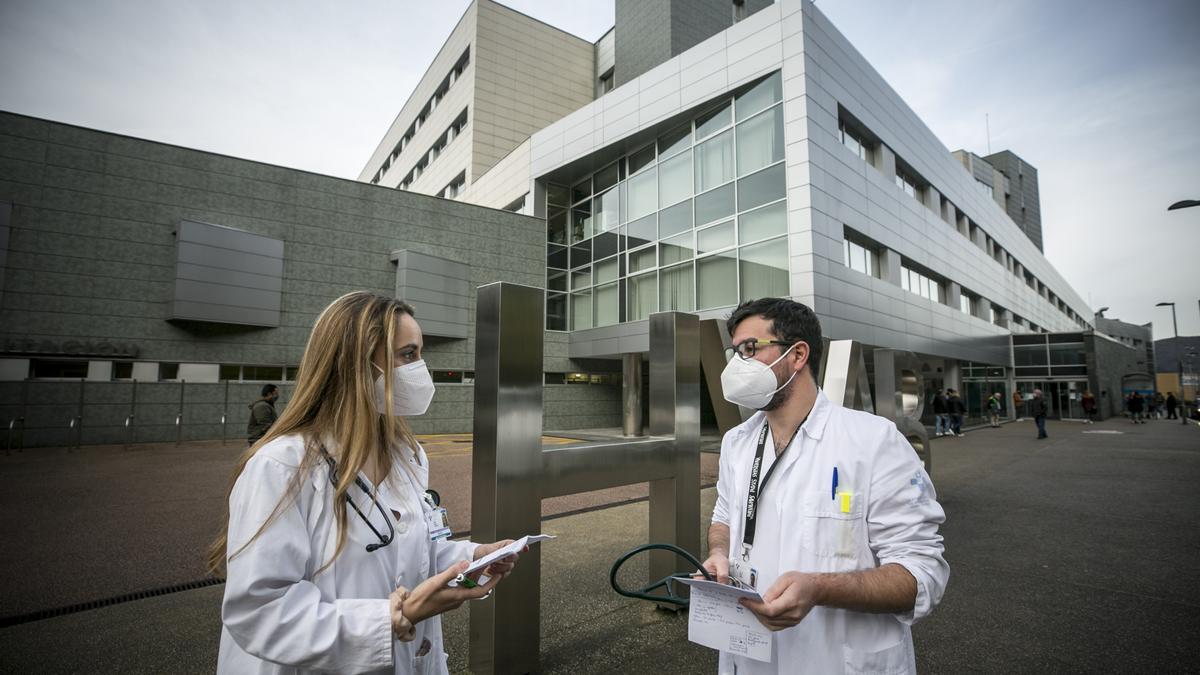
x=957, y=410
x=993, y=404
x=1159, y=403
x=1089, y=406
x=1017, y=403
x=1037, y=409
x=1172, y=404
x=262, y=414
x=941, y=415
x=1137, y=406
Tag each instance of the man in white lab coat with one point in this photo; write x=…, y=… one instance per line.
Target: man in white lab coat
x=827, y=511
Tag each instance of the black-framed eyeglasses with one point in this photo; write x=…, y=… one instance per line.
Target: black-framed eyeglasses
x=748, y=348
x=384, y=540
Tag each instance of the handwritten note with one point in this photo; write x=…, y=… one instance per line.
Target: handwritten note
x=717, y=621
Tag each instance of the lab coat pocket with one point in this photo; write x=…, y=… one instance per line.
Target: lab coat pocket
x=831, y=528
x=432, y=663
x=894, y=660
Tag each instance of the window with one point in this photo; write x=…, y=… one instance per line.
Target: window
x=915, y=282
x=446, y=376
x=675, y=179
x=605, y=83
x=908, y=184
x=986, y=188
x=168, y=371
x=761, y=188
x=766, y=222
x=739, y=10
x=56, y=369
x=761, y=96
x=714, y=162
x=716, y=281
x=966, y=304
x=760, y=141
x=764, y=269
x=852, y=140
x=675, y=292
x=859, y=258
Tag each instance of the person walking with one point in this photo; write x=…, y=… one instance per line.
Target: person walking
x=1172, y=404
x=941, y=415
x=957, y=410
x=1017, y=403
x=1160, y=403
x=1089, y=406
x=1137, y=405
x=262, y=414
x=994, y=409
x=1037, y=409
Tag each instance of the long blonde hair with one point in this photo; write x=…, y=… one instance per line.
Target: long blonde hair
x=333, y=400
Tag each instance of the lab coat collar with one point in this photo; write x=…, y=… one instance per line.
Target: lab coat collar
x=818, y=416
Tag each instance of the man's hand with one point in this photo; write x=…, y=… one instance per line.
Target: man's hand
x=718, y=566
x=787, y=602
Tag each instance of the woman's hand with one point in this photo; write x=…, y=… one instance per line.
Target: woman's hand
x=433, y=596
x=402, y=626
x=503, y=566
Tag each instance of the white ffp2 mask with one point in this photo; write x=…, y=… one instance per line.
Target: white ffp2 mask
x=750, y=383
x=412, y=390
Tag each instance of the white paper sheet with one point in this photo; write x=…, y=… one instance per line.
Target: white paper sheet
x=515, y=547
x=717, y=621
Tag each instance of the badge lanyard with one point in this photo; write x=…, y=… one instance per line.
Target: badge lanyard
x=757, y=488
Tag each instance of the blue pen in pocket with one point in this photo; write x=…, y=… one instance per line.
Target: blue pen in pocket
x=833, y=490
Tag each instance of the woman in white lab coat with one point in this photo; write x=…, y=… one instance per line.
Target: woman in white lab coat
x=332, y=557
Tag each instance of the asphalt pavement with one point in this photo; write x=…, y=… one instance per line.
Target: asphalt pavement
x=1070, y=554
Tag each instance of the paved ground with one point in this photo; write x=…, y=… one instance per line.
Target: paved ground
x=103, y=521
x=1073, y=554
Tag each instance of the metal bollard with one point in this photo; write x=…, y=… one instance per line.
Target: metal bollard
x=74, y=427
x=13, y=424
x=179, y=416
x=128, y=431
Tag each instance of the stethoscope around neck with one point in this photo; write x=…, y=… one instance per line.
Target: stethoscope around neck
x=384, y=539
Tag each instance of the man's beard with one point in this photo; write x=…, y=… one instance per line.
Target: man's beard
x=780, y=396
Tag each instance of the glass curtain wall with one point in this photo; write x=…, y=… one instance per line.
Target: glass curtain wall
x=696, y=219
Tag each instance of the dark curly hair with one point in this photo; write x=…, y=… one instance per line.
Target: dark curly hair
x=790, y=320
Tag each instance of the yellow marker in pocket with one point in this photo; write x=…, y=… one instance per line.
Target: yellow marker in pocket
x=845, y=501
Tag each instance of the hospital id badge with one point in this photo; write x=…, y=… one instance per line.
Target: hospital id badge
x=435, y=518
x=741, y=574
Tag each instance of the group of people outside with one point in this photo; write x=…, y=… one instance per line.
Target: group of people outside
x=948, y=411
x=1156, y=406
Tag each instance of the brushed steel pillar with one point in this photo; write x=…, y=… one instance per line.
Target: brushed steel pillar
x=511, y=473
x=675, y=410
x=631, y=394
x=506, y=470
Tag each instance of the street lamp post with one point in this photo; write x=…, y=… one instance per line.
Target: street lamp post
x=1178, y=354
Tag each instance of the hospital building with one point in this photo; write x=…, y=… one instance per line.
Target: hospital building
x=698, y=154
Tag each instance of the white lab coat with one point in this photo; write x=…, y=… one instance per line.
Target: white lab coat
x=893, y=518
x=280, y=617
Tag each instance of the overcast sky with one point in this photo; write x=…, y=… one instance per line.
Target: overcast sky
x=1102, y=97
